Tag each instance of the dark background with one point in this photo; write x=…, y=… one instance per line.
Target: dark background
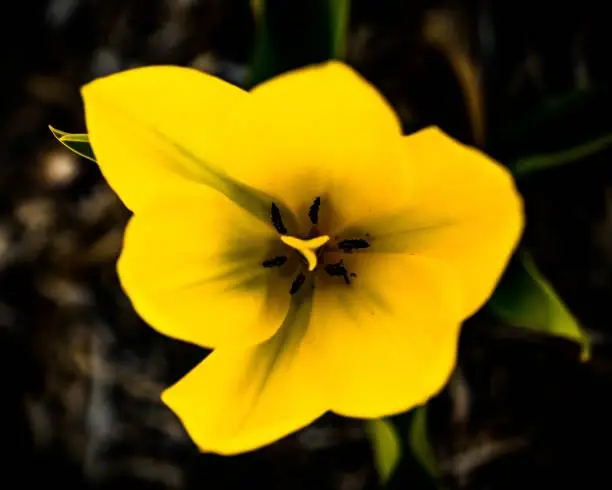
x=81, y=374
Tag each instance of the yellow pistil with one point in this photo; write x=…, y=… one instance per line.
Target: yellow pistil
x=306, y=247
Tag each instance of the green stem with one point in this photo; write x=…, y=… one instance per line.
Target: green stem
x=340, y=17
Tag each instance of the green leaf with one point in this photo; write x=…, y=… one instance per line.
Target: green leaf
x=386, y=446
x=418, y=440
x=290, y=35
x=524, y=298
x=528, y=165
x=77, y=143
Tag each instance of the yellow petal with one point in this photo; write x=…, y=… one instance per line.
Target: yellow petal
x=390, y=337
x=472, y=212
x=237, y=400
x=147, y=127
x=192, y=267
x=321, y=131
x=464, y=210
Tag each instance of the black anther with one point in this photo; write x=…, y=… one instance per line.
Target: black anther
x=351, y=245
x=338, y=270
x=313, y=212
x=297, y=283
x=277, y=219
x=275, y=262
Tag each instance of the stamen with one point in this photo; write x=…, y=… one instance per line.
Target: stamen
x=306, y=247
x=349, y=246
x=277, y=220
x=338, y=270
x=297, y=283
x=313, y=212
x=275, y=262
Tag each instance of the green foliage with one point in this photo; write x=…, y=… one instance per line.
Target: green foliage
x=561, y=130
x=533, y=163
x=524, y=298
x=420, y=445
x=77, y=143
x=338, y=23
x=566, y=121
x=290, y=35
x=386, y=447
x=403, y=454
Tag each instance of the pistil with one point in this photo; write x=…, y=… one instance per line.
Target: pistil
x=307, y=248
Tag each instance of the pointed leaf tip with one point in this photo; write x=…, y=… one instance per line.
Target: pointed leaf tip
x=524, y=298
x=419, y=442
x=386, y=447
x=76, y=142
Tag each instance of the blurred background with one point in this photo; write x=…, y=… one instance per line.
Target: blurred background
x=81, y=374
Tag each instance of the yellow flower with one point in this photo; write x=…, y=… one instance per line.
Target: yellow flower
x=326, y=259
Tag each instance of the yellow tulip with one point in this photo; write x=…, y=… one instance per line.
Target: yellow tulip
x=327, y=259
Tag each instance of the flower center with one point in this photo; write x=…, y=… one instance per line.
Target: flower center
x=312, y=249
x=307, y=248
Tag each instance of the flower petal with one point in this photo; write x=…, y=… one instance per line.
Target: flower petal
x=192, y=267
x=148, y=126
x=465, y=210
x=321, y=131
x=390, y=337
x=238, y=400
x=472, y=210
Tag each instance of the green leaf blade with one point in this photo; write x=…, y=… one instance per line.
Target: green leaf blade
x=418, y=440
x=524, y=298
x=76, y=142
x=386, y=446
x=534, y=163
